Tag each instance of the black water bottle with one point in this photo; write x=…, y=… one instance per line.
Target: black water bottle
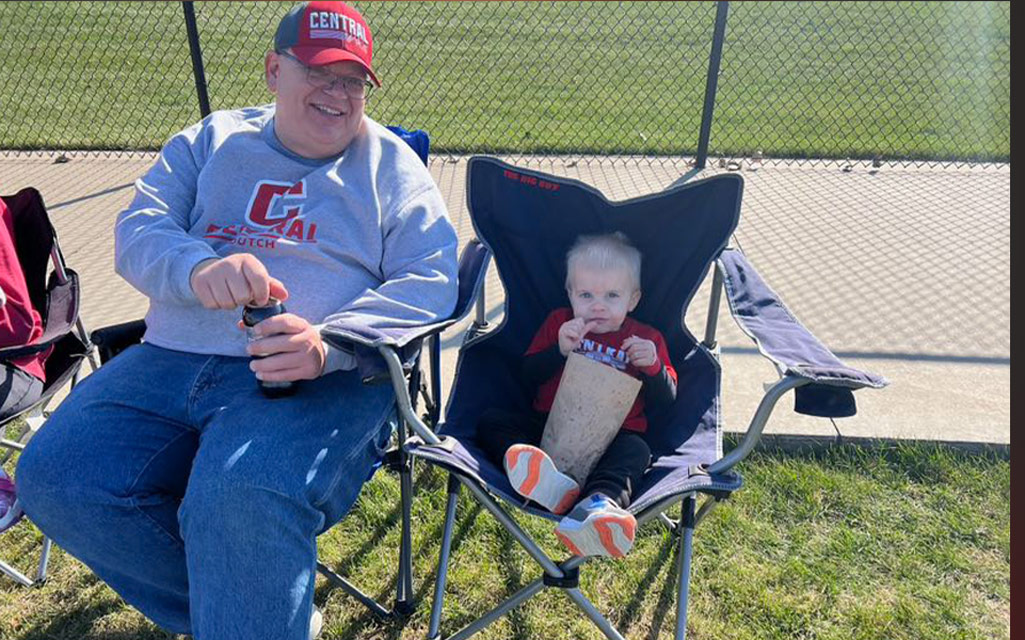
x=252, y=316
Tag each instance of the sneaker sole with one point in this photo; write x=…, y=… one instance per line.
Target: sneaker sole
x=596, y=536
x=529, y=469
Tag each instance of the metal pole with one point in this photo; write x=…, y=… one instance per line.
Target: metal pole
x=712, y=82
x=683, y=585
x=350, y=589
x=197, y=58
x=446, y=546
x=761, y=416
x=435, y=349
x=481, y=320
x=713, y=308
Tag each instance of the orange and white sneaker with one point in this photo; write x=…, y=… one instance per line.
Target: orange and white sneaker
x=533, y=475
x=597, y=527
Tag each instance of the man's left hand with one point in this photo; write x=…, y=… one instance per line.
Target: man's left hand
x=293, y=349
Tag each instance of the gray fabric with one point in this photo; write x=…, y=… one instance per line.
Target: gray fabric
x=358, y=239
x=762, y=315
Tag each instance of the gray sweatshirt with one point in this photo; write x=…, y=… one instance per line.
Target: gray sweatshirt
x=363, y=237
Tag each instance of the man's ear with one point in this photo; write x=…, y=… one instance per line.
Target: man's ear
x=271, y=69
x=635, y=298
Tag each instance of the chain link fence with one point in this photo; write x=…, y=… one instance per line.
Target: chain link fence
x=874, y=138
x=902, y=82
x=899, y=81
x=93, y=76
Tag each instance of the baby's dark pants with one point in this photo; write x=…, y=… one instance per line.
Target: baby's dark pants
x=617, y=474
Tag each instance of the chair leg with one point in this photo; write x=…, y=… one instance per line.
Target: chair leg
x=404, y=601
x=561, y=576
x=596, y=617
x=22, y=579
x=14, y=574
x=446, y=546
x=511, y=603
x=44, y=560
x=348, y=588
x=687, y=521
x=668, y=522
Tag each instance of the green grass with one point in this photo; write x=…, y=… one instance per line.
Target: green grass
x=898, y=542
x=927, y=80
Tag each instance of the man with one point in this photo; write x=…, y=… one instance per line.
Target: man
x=167, y=472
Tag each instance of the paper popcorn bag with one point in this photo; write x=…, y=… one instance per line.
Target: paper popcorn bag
x=589, y=409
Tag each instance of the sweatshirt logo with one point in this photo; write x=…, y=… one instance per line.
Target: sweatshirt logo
x=274, y=214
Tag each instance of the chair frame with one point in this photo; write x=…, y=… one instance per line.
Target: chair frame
x=565, y=574
x=35, y=416
x=397, y=459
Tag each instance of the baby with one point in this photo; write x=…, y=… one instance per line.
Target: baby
x=603, y=275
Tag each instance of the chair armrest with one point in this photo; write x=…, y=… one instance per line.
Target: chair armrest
x=761, y=416
x=781, y=338
x=59, y=317
x=397, y=376
x=114, y=339
x=364, y=341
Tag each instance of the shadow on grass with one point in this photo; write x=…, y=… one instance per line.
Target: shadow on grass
x=513, y=583
x=394, y=627
x=426, y=482
x=633, y=607
x=666, y=598
x=75, y=624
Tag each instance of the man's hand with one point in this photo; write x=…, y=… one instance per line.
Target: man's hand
x=572, y=332
x=229, y=283
x=640, y=352
x=293, y=349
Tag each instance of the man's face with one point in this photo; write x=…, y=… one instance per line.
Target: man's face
x=602, y=295
x=310, y=121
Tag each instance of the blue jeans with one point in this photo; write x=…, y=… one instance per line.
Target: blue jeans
x=196, y=498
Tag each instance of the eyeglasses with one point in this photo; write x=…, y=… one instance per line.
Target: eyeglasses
x=355, y=88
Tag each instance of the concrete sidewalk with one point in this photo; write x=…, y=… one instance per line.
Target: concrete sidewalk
x=901, y=271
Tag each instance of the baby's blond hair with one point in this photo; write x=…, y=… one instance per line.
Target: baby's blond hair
x=606, y=251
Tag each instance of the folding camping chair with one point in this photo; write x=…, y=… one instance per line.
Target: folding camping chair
x=528, y=220
x=56, y=294
x=368, y=346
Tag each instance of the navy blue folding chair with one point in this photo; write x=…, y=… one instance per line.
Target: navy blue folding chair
x=528, y=220
x=389, y=356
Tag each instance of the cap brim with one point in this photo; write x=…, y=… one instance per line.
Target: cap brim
x=318, y=57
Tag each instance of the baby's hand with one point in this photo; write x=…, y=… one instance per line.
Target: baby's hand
x=640, y=352
x=572, y=332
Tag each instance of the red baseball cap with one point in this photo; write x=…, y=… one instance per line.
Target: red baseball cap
x=320, y=33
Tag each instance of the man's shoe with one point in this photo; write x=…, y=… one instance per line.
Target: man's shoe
x=316, y=623
x=533, y=475
x=597, y=527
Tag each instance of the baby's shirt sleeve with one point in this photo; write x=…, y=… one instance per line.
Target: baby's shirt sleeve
x=663, y=354
x=660, y=381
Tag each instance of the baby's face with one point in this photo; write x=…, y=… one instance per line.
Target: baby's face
x=602, y=295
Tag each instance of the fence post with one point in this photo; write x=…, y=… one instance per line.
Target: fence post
x=712, y=82
x=197, y=58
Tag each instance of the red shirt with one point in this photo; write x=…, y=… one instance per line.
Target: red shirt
x=605, y=348
x=20, y=323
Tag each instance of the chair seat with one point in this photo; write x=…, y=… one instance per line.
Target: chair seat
x=61, y=366
x=668, y=476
